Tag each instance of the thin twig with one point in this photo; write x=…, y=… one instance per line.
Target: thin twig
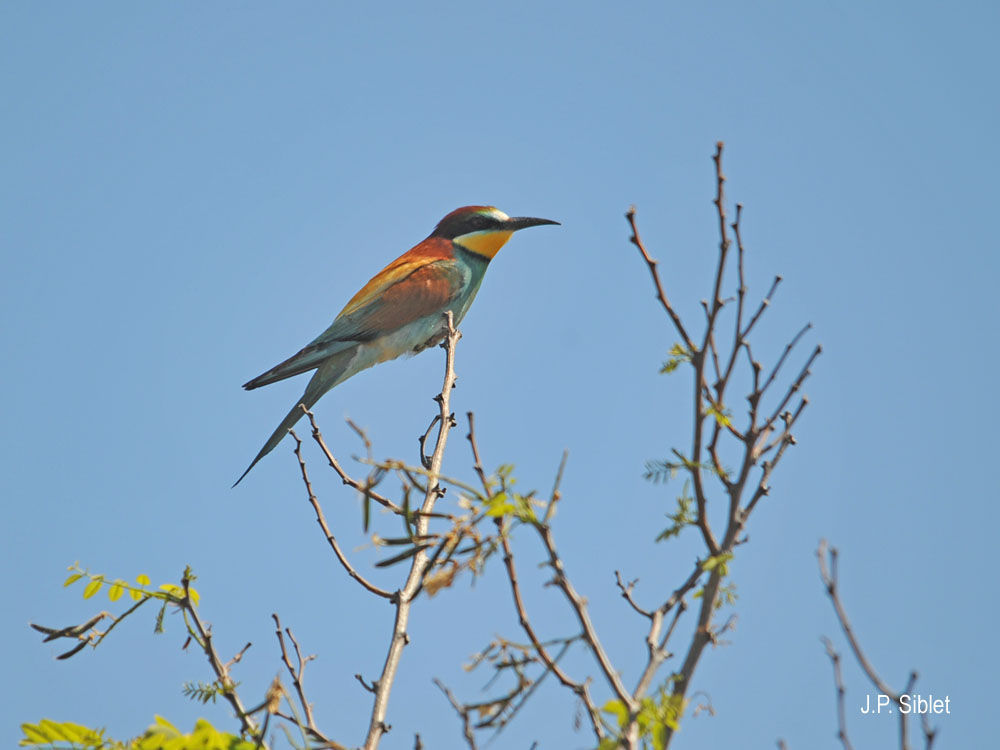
x=330, y=538
x=579, y=607
x=838, y=681
x=626, y=589
x=296, y=672
x=463, y=712
x=660, y=294
x=581, y=689
x=827, y=557
x=221, y=673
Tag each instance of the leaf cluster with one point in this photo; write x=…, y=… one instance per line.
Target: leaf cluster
x=161, y=735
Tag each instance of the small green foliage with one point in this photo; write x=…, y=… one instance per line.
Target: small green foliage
x=161, y=735
x=505, y=501
x=658, y=471
x=722, y=415
x=117, y=589
x=683, y=516
x=618, y=710
x=727, y=591
x=158, y=625
x=93, y=587
x=137, y=593
x=498, y=505
x=506, y=473
x=402, y=556
x=727, y=595
x=678, y=356
x=203, y=692
x=658, y=714
x=51, y=734
x=720, y=561
x=168, y=592
x=511, y=504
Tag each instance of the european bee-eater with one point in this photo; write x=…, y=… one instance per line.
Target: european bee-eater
x=401, y=310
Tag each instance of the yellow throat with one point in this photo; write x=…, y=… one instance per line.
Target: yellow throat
x=486, y=243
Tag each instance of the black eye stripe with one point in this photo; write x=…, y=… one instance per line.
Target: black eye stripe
x=459, y=225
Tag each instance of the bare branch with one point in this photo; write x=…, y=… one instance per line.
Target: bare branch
x=581, y=689
x=478, y=464
x=321, y=520
x=403, y=599
x=660, y=294
x=296, y=672
x=828, y=572
x=221, y=671
x=827, y=557
x=626, y=589
x=463, y=712
x=838, y=682
x=579, y=607
x=364, y=488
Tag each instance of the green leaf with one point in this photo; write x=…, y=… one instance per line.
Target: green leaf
x=142, y=579
x=93, y=587
x=682, y=517
x=402, y=556
x=722, y=415
x=718, y=561
x=617, y=709
x=171, y=592
x=678, y=356
x=158, y=626
x=69, y=581
x=33, y=735
x=117, y=589
x=499, y=505
x=165, y=736
x=48, y=733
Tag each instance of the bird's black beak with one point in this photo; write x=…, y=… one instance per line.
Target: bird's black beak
x=523, y=222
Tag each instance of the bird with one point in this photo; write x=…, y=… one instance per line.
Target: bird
x=401, y=310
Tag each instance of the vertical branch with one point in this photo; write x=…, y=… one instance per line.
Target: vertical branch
x=403, y=599
x=704, y=461
x=838, y=681
x=827, y=557
x=221, y=670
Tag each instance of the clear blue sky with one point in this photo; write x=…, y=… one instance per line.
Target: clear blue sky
x=190, y=192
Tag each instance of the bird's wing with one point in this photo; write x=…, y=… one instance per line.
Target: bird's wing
x=407, y=294
x=420, y=282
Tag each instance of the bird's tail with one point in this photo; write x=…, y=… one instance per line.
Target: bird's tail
x=333, y=371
